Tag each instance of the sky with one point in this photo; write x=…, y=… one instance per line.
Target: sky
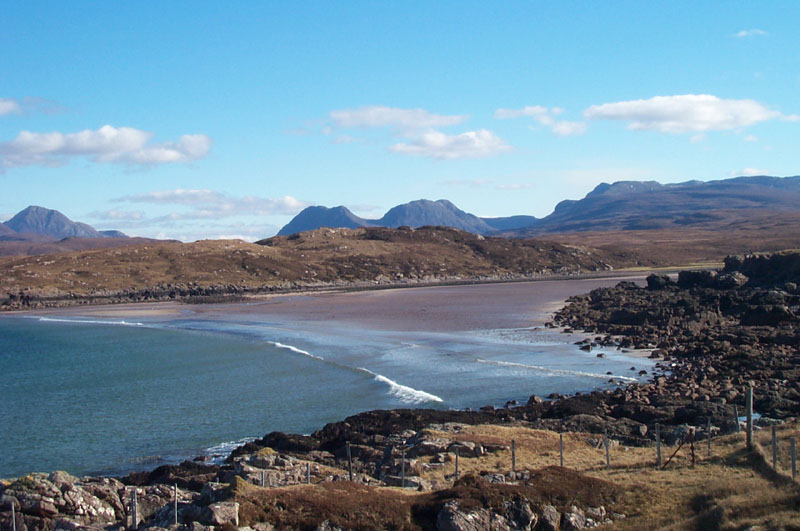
x=198, y=119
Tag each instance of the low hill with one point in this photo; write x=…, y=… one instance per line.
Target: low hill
x=324, y=257
x=31, y=245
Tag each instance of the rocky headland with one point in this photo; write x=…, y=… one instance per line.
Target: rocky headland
x=715, y=333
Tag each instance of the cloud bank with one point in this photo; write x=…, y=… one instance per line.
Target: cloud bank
x=210, y=204
x=685, y=113
x=420, y=132
x=404, y=119
x=438, y=145
x=107, y=144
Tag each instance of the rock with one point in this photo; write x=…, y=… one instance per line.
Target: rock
x=731, y=280
x=658, y=282
x=221, y=513
x=520, y=515
x=452, y=518
x=551, y=518
x=691, y=279
x=327, y=526
x=534, y=400
x=573, y=519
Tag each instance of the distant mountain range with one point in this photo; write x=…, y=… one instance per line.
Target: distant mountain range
x=414, y=214
x=623, y=205
x=37, y=223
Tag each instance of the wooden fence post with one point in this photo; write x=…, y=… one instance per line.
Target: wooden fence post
x=774, y=447
x=308, y=473
x=403, y=469
x=13, y=516
x=175, y=495
x=134, y=510
x=513, y=459
x=749, y=405
x=349, y=461
x=658, y=445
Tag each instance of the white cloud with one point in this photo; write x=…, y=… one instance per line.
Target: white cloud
x=546, y=117
x=107, y=144
x=403, y=119
x=755, y=32
x=684, y=113
x=9, y=106
x=568, y=128
x=438, y=145
x=748, y=172
x=750, y=138
x=210, y=204
x=698, y=138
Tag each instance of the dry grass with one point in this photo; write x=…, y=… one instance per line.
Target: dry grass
x=731, y=489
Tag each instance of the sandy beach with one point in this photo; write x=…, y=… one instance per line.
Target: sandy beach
x=434, y=308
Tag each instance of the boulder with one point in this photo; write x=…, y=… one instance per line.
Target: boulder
x=452, y=518
x=658, y=282
x=221, y=513
x=573, y=519
x=551, y=518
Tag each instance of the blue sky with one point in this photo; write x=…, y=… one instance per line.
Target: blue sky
x=224, y=119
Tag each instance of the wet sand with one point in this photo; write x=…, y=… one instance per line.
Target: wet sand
x=439, y=308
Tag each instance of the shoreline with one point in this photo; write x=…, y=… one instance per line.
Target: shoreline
x=229, y=294
x=320, y=309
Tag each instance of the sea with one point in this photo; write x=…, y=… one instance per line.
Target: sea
x=110, y=396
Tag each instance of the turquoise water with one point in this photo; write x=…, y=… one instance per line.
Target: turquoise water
x=108, y=396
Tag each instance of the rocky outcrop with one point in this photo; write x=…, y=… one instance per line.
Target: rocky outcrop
x=717, y=334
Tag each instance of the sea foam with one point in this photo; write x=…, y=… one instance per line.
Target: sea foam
x=88, y=321
x=546, y=370
x=405, y=393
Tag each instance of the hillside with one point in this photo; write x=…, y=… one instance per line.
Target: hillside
x=630, y=205
x=322, y=257
x=147, y=270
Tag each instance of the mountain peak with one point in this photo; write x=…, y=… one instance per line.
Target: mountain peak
x=46, y=222
x=314, y=217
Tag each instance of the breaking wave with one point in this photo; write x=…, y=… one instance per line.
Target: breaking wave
x=88, y=321
x=406, y=394
x=557, y=371
x=295, y=349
